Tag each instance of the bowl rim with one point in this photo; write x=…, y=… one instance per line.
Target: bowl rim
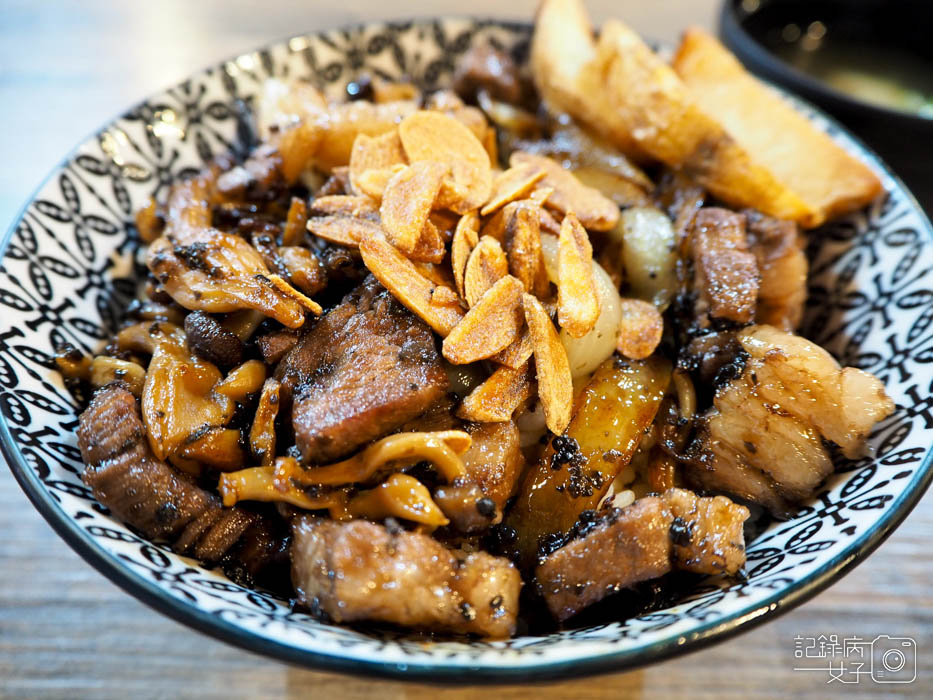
x=764, y=62
x=702, y=636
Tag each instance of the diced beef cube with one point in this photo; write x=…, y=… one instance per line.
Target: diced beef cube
x=145, y=492
x=493, y=463
x=622, y=547
x=725, y=272
x=362, y=371
x=629, y=546
x=360, y=570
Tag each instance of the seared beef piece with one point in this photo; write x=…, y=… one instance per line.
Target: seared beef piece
x=710, y=356
x=621, y=547
x=440, y=416
x=365, y=369
x=628, y=546
x=261, y=556
x=275, y=345
x=146, y=492
x=343, y=266
x=725, y=272
x=778, y=248
x=359, y=570
x=484, y=67
x=211, y=341
x=493, y=463
x=707, y=533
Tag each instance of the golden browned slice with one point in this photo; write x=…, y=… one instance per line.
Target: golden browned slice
x=621, y=89
x=561, y=50
x=805, y=160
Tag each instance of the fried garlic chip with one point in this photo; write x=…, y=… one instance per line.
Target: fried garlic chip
x=555, y=383
x=407, y=201
x=523, y=232
x=373, y=182
x=344, y=230
x=512, y=184
x=401, y=277
x=434, y=136
x=641, y=329
x=577, y=300
x=349, y=205
x=517, y=354
x=486, y=266
x=491, y=325
x=464, y=241
x=381, y=153
x=495, y=400
x=430, y=247
x=594, y=209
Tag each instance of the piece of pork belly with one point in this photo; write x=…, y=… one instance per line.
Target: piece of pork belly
x=360, y=570
x=361, y=372
x=628, y=546
x=725, y=272
x=145, y=492
x=762, y=440
x=707, y=533
x=493, y=465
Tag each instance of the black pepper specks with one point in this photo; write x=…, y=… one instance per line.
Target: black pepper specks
x=681, y=532
x=486, y=507
x=467, y=611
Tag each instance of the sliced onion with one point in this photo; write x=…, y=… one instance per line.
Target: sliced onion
x=586, y=353
x=649, y=254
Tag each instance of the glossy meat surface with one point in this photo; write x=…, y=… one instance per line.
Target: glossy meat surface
x=778, y=248
x=622, y=547
x=630, y=545
x=725, y=272
x=494, y=464
x=365, y=369
x=707, y=533
x=360, y=570
x=146, y=492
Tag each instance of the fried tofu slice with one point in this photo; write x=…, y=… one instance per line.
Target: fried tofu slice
x=805, y=160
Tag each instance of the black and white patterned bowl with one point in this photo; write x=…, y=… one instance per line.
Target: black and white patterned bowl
x=68, y=270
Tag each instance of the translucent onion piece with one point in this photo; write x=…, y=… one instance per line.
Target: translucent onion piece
x=586, y=353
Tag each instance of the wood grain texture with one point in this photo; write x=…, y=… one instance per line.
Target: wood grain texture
x=67, y=632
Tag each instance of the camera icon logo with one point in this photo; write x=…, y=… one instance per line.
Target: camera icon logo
x=893, y=659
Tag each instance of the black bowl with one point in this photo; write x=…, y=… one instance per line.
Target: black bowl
x=756, y=30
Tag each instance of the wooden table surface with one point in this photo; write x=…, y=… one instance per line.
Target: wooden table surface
x=65, y=631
